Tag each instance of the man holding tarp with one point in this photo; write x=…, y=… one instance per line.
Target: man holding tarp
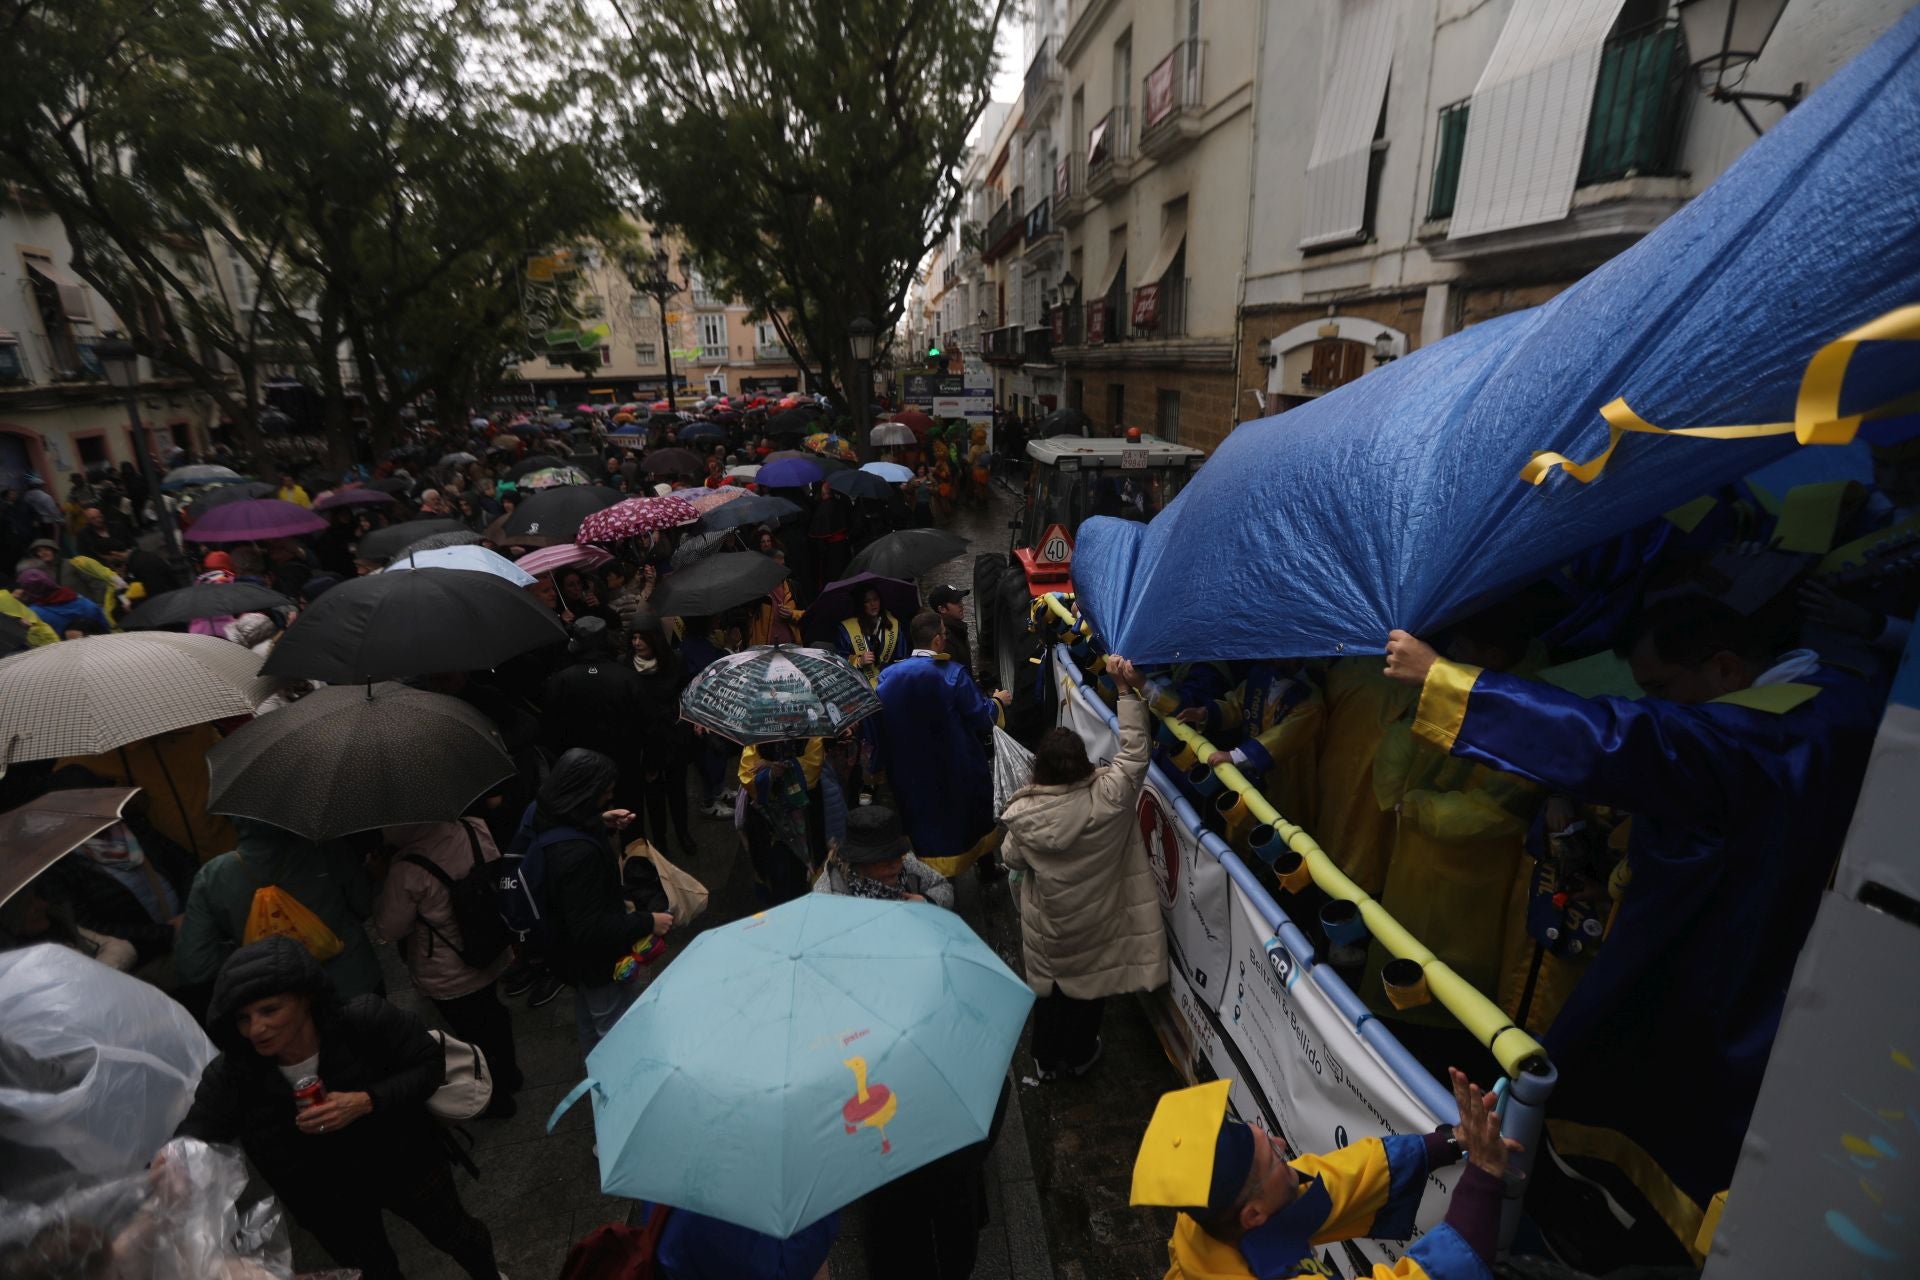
x=1740, y=769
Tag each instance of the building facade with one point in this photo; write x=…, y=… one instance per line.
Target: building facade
x=58, y=416
x=1421, y=165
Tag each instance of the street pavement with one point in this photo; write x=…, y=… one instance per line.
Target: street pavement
x=1057, y=1182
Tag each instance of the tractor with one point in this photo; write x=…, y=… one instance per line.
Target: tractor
x=1068, y=479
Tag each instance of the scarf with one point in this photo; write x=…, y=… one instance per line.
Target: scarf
x=645, y=666
x=861, y=886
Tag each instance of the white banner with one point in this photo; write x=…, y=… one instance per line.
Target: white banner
x=1194, y=897
x=1085, y=715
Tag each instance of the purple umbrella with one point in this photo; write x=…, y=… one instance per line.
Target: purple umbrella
x=840, y=600
x=360, y=497
x=255, y=521
x=789, y=473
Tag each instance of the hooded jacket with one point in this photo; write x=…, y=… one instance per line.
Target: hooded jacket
x=366, y=1045
x=586, y=911
x=1089, y=913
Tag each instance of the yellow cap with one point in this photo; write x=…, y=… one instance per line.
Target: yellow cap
x=1176, y=1164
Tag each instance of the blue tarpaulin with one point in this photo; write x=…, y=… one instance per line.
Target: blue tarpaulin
x=1395, y=501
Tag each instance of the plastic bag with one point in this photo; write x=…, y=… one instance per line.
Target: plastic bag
x=277, y=913
x=179, y=1222
x=96, y=1069
x=1012, y=767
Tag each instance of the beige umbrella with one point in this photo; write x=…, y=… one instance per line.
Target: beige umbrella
x=41, y=832
x=85, y=697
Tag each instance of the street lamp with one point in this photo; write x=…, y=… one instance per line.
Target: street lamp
x=860, y=336
x=1383, y=352
x=1725, y=37
x=653, y=278
x=122, y=366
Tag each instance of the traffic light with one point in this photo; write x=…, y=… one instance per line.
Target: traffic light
x=933, y=351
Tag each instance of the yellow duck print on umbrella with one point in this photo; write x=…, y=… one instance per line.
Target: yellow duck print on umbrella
x=871, y=1106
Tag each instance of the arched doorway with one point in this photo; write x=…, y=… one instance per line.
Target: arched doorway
x=1314, y=358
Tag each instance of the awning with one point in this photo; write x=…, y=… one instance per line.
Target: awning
x=1116, y=270
x=1146, y=296
x=72, y=294
x=1335, y=205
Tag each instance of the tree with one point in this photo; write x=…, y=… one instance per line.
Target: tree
x=807, y=151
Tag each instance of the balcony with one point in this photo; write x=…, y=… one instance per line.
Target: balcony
x=1036, y=346
x=1160, y=309
x=1066, y=325
x=1173, y=100
x=1043, y=238
x=1002, y=345
x=1006, y=226
x=1044, y=78
x=1070, y=190
x=711, y=355
x=1110, y=153
x=1630, y=178
x=771, y=353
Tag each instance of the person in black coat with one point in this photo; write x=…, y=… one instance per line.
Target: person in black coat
x=598, y=703
x=669, y=739
x=368, y=1145
x=591, y=924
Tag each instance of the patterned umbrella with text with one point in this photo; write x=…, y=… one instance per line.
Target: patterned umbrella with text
x=774, y=693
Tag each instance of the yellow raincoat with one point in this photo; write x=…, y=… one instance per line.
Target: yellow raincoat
x=38, y=632
x=1283, y=748
x=1349, y=822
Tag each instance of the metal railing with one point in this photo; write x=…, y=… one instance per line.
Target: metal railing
x=1174, y=292
x=1639, y=104
x=1036, y=344
x=1006, y=224
x=1174, y=87
x=1109, y=142
x=1039, y=220
x=769, y=351
x=1002, y=343
x=1044, y=73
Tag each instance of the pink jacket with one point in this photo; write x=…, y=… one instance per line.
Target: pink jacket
x=413, y=898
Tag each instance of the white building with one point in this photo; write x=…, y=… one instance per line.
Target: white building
x=1420, y=165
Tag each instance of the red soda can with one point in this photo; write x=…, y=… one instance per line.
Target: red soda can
x=308, y=1091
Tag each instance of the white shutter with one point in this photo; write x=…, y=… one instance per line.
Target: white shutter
x=1527, y=125
x=1336, y=185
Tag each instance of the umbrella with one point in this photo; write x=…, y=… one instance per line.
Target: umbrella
x=254, y=520
x=459, y=459
x=888, y=434
x=357, y=497
x=778, y=693
x=790, y=473
x=748, y=472
x=908, y=553
x=698, y=546
x=437, y=542
x=469, y=558
x=891, y=472
x=915, y=421
x=227, y=493
x=795, y=1061
x=41, y=832
x=716, y=583
x=386, y=626
x=527, y=429
x=634, y=517
x=188, y=477
x=860, y=484
x=702, y=431
x=754, y=509
x=1061, y=422
x=533, y=463
x=385, y=544
x=553, y=478
x=566, y=555
x=557, y=513
x=13, y=634
x=202, y=600
x=792, y=422
x=351, y=758
x=830, y=446
x=668, y=462
x=839, y=600
x=630, y=429
x=84, y=697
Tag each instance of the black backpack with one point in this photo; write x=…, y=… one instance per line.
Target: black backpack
x=475, y=900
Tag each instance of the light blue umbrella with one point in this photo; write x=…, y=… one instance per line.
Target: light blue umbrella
x=891, y=472
x=789, y=1063
x=471, y=558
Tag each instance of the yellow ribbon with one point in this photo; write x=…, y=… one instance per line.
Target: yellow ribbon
x=1816, y=410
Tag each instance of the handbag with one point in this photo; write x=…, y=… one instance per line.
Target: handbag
x=468, y=1086
x=686, y=897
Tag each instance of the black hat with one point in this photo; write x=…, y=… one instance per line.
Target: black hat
x=873, y=835
x=945, y=595
x=589, y=635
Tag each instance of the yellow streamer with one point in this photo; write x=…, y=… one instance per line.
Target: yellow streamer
x=1816, y=411
x=1509, y=1045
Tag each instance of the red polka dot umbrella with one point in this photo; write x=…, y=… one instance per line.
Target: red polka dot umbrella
x=636, y=518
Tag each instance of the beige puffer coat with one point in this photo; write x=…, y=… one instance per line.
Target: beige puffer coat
x=1089, y=915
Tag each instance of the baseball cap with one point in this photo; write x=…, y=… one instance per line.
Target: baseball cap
x=944, y=595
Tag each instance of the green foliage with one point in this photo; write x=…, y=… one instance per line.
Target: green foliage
x=807, y=150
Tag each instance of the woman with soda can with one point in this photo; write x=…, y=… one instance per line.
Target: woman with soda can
x=329, y=1101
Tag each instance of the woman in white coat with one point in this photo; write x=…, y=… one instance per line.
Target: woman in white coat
x=1089, y=915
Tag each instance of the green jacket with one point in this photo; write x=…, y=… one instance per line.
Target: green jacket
x=327, y=880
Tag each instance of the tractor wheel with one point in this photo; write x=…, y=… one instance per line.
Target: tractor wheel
x=1013, y=642
x=988, y=570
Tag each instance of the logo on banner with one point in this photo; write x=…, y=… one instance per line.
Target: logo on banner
x=1285, y=967
x=1163, y=847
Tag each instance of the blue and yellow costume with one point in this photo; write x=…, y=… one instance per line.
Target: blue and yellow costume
x=1362, y=705
x=1195, y=1159
x=1279, y=716
x=852, y=639
x=1739, y=809
x=932, y=717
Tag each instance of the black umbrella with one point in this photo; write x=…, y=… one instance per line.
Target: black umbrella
x=753, y=509
x=351, y=758
x=536, y=462
x=435, y=541
x=842, y=599
x=860, y=484
x=388, y=625
x=791, y=422
x=1061, y=422
x=907, y=553
x=385, y=544
x=228, y=493
x=557, y=513
x=202, y=600
x=719, y=582
x=673, y=462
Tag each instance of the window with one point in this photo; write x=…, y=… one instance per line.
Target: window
x=1117, y=407
x=12, y=367
x=1078, y=113
x=244, y=292
x=713, y=335
x=1349, y=135
x=606, y=356
x=1123, y=74
x=640, y=306
x=1166, y=415
x=646, y=353
x=703, y=294
x=92, y=449
x=60, y=302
